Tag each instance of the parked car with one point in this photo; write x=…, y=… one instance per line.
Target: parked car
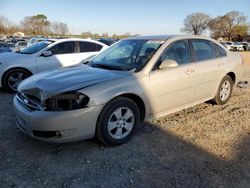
x=246, y=46
x=230, y=46
x=5, y=47
x=35, y=40
x=133, y=80
x=20, y=45
x=239, y=46
x=44, y=56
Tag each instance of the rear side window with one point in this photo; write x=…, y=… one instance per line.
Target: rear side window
x=203, y=50
x=89, y=47
x=63, y=48
x=220, y=52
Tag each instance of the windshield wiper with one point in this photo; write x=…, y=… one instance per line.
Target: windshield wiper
x=23, y=52
x=102, y=66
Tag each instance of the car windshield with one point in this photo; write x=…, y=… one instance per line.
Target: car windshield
x=126, y=55
x=35, y=48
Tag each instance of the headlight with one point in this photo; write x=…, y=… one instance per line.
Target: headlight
x=67, y=101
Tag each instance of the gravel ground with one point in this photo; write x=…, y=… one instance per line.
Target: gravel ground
x=203, y=146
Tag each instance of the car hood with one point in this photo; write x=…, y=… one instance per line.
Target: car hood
x=11, y=55
x=63, y=80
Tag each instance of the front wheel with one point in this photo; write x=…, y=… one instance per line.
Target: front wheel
x=13, y=77
x=224, y=91
x=118, y=121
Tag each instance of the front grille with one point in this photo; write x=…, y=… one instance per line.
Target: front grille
x=28, y=102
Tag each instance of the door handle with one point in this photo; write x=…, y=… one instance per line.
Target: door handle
x=220, y=64
x=189, y=71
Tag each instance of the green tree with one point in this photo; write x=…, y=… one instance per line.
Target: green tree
x=36, y=25
x=229, y=26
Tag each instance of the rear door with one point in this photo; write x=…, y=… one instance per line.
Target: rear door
x=209, y=67
x=63, y=54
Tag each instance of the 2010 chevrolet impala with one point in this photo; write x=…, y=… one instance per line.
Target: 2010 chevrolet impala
x=132, y=81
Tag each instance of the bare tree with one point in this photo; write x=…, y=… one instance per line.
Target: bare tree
x=64, y=28
x=6, y=26
x=105, y=35
x=87, y=34
x=230, y=25
x=196, y=23
x=59, y=28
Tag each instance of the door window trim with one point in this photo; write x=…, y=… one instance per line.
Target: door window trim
x=166, y=48
x=193, y=52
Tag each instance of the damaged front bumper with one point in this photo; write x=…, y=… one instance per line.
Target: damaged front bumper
x=57, y=127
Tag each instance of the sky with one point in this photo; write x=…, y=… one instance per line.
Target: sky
x=113, y=16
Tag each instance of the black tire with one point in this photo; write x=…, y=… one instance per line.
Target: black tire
x=12, y=72
x=218, y=99
x=102, y=132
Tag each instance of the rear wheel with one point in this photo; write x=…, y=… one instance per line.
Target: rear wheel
x=118, y=121
x=13, y=77
x=224, y=91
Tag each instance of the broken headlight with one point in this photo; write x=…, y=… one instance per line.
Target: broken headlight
x=67, y=101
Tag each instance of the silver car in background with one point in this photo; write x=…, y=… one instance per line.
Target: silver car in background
x=133, y=80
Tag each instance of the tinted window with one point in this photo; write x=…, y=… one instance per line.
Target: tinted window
x=220, y=52
x=63, y=48
x=203, y=50
x=89, y=47
x=178, y=51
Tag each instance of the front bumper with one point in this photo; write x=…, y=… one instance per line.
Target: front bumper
x=57, y=127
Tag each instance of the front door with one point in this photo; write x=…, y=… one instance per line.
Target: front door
x=63, y=55
x=172, y=87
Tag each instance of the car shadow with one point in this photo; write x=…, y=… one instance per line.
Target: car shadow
x=153, y=158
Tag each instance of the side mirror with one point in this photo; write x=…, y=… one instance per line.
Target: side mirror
x=169, y=63
x=85, y=61
x=47, y=53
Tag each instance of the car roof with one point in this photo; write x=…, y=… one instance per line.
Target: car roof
x=166, y=37
x=77, y=39
x=152, y=37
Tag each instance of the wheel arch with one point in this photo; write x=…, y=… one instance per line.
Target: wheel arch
x=232, y=76
x=139, y=102
x=135, y=98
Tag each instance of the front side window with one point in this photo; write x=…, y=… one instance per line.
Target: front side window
x=63, y=48
x=203, y=50
x=127, y=54
x=178, y=51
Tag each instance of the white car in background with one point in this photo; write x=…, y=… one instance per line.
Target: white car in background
x=233, y=46
x=20, y=45
x=229, y=45
x=43, y=56
x=239, y=46
x=35, y=40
